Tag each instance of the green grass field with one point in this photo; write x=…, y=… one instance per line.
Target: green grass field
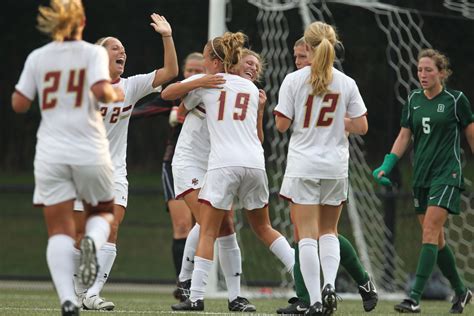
x=45, y=302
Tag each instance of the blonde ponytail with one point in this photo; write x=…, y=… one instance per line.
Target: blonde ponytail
x=228, y=49
x=62, y=19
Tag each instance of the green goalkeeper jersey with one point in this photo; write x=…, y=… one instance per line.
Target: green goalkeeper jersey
x=436, y=126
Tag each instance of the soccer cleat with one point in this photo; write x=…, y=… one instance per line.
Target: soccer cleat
x=183, y=290
x=97, y=303
x=315, y=310
x=88, y=266
x=369, y=295
x=241, y=304
x=188, y=305
x=459, y=302
x=296, y=307
x=69, y=309
x=329, y=299
x=408, y=305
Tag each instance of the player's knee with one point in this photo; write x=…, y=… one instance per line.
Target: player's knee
x=103, y=207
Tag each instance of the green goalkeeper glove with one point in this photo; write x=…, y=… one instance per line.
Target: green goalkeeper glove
x=388, y=163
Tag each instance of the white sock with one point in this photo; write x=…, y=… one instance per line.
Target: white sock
x=187, y=265
x=230, y=260
x=60, y=258
x=98, y=228
x=78, y=286
x=202, y=267
x=105, y=257
x=282, y=249
x=330, y=256
x=309, y=265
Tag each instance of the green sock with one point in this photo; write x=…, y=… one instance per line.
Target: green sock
x=426, y=263
x=447, y=265
x=350, y=261
x=300, y=287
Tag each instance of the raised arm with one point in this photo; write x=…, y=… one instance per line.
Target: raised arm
x=170, y=65
x=180, y=89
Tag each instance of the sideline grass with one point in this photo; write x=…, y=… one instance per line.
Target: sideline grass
x=44, y=302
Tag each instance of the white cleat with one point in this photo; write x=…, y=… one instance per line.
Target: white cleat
x=97, y=303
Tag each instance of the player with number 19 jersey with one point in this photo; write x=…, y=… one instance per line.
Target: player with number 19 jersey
x=318, y=147
x=71, y=129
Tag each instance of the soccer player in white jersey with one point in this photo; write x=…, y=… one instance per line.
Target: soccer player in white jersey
x=116, y=118
x=237, y=155
x=321, y=104
x=69, y=76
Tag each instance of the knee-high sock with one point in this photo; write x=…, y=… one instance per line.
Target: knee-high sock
x=231, y=264
x=301, y=290
x=177, y=249
x=106, y=257
x=447, y=264
x=426, y=263
x=187, y=265
x=282, y=249
x=202, y=267
x=309, y=264
x=329, y=255
x=60, y=258
x=98, y=228
x=350, y=261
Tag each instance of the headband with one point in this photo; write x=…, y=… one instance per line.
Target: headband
x=102, y=42
x=214, y=50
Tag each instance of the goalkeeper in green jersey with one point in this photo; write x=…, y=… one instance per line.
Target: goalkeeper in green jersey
x=434, y=117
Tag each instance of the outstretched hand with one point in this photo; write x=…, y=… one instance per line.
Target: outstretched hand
x=211, y=81
x=160, y=24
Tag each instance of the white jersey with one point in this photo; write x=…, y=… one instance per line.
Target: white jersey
x=318, y=145
x=231, y=114
x=193, y=145
x=117, y=117
x=71, y=129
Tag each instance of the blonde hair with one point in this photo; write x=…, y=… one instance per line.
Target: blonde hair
x=441, y=61
x=103, y=40
x=299, y=42
x=62, y=19
x=193, y=56
x=321, y=38
x=227, y=48
x=261, y=63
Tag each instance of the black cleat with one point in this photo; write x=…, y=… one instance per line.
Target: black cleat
x=329, y=299
x=408, y=305
x=183, y=290
x=188, y=305
x=297, y=306
x=459, y=302
x=369, y=295
x=241, y=304
x=69, y=309
x=315, y=310
x=88, y=266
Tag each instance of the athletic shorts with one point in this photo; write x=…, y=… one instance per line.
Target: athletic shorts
x=445, y=196
x=311, y=191
x=167, y=180
x=120, y=194
x=57, y=183
x=187, y=179
x=248, y=185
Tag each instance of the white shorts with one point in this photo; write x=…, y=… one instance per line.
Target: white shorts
x=311, y=191
x=248, y=185
x=187, y=179
x=120, y=194
x=56, y=183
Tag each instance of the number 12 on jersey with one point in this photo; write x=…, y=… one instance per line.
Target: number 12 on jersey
x=326, y=114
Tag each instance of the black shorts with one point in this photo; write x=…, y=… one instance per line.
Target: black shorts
x=167, y=179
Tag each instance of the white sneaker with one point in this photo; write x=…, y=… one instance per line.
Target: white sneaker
x=96, y=302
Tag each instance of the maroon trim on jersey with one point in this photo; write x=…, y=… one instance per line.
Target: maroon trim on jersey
x=200, y=108
x=209, y=203
x=127, y=108
x=115, y=81
x=100, y=81
x=20, y=93
x=180, y=196
x=39, y=205
x=106, y=202
x=286, y=198
x=276, y=113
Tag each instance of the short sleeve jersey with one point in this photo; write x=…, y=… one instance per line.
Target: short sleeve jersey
x=193, y=145
x=436, y=126
x=318, y=145
x=117, y=116
x=231, y=114
x=71, y=129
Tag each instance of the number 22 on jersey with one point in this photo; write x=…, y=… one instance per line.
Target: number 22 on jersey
x=326, y=114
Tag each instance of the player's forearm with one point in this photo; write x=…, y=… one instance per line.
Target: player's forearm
x=178, y=90
x=260, y=132
x=469, y=131
x=357, y=125
x=170, y=68
x=402, y=142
